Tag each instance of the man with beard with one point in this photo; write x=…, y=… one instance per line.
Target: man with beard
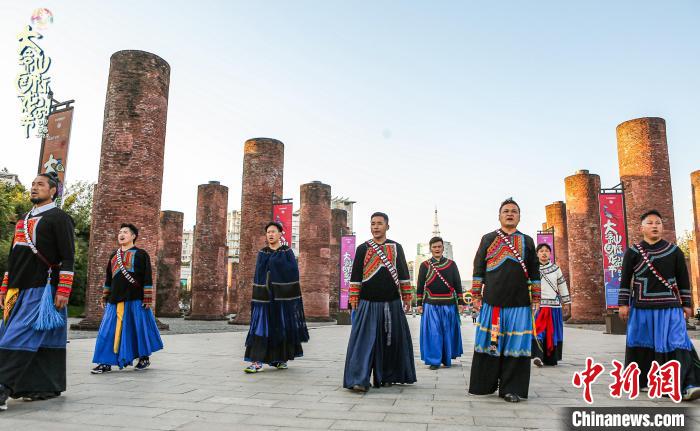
x=34, y=295
x=506, y=284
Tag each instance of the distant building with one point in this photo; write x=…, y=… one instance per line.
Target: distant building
x=423, y=249
x=187, y=242
x=295, y=232
x=344, y=204
x=233, y=234
x=8, y=178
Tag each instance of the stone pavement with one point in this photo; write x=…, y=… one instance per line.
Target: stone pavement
x=197, y=383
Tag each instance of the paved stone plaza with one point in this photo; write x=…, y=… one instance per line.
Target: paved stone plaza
x=197, y=383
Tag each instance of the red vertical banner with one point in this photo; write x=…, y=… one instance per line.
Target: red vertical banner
x=614, y=239
x=347, y=256
x=54, y=146
x=282, y=214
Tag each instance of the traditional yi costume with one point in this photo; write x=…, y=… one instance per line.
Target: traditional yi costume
x=33, y=334
x=277, y=322
x=655, y=285
x=380, y=340
x=507, y=277
x=549, y=322
x=439, y=291
x=128, y=330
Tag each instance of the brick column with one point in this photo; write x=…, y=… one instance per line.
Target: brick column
x=263, y=166
x=209, y=253
x=339, y=227
x=130, y=176
x=314, y=248
x=556, y=218
x=231, y=304
x=695, y=244
x=586, y=283
x=169, y=262
x=645, y=173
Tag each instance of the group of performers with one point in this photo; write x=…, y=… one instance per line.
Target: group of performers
x=521, y=298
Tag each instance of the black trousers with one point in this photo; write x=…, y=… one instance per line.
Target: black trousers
x=26, y=372
x=547, y=358
x=690, y=364
x=507, y=374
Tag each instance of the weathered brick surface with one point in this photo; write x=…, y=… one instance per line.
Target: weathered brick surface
x=695, y=244
x=231, y=303
x=645, y=173
x=339, y=227
x=130, y=177
x=169, y=262
x=209, y=253
x=556, y=218
x=314, y=249
x=586, y=282
x=263, y=166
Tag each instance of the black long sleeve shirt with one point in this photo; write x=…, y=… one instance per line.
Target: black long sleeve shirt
x=499, y=277
x=138, y=264
x=52, y=232
x=433, y=288
x=371, y=280
x=640, y=285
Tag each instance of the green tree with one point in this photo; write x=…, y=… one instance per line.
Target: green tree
x=77, y=202
x=14, y=201
x=682, y=242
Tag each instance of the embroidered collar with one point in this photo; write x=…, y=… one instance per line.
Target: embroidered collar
x=38, y=210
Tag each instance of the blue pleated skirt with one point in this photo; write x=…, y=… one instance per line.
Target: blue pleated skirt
x=15, y=334
x=661, y=329
x=380, y=345
x=440, y=337
x=277, y=329
x=515, y=335
x=139, y=337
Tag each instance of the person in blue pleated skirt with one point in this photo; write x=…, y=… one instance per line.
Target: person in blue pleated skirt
x=439, y=300
x=277, y=321
x=655, y=300
x=128, y=330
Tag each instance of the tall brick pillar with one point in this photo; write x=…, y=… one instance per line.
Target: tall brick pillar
x=586, y=283
x=645, y=172
x=209, y=253
x=339, y=227
x=231, y=304
x=130, y=176
x=556, y=218
x=314, y=248
x=695, y=244
x=263, y=167
x=169, y=262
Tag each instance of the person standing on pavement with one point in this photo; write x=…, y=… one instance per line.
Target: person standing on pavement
x=440, y=302
x=380, y=340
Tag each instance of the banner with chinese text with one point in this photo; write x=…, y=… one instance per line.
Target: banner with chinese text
x=347, y=255
x=282, y=214
x=54, y=146
x=614, y=242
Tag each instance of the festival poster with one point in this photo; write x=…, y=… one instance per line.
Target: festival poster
x=547, y=238
x=614, y=239
x=54, y=147
x=347, y=255
x=282, y=214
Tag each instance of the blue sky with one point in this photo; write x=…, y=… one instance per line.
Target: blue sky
x=399, y=105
